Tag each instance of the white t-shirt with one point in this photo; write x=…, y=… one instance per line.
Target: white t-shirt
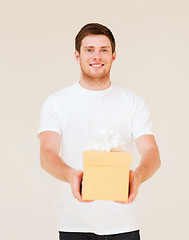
x=77, y=114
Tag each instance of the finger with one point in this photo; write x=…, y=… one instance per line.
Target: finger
x=88, y=201
x=132, y=188
x=76, y=192
x=130, y=173
x=131, y=198
x=78, y=196
x=121, y=202
x=80, y=175
x=133, y=192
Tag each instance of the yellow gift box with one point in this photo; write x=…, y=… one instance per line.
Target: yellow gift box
x=106, y=175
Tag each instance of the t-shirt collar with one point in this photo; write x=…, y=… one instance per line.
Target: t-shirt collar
x=93, y=92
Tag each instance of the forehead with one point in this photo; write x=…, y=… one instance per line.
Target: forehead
x=96, y=41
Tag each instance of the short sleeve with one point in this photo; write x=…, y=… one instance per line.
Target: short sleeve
x=141, y=123
x=49, y=119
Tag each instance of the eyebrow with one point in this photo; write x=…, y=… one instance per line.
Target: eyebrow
x=100, y=47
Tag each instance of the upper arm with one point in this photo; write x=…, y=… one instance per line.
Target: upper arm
x=145, y=143
x=50, y=140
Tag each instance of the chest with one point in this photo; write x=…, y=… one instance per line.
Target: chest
x=88, y=116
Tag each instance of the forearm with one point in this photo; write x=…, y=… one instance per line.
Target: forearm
x=54, y=165
x=150, y=162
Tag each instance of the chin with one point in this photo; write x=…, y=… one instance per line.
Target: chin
x=96, y=75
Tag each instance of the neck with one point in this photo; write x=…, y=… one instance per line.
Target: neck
x=95, y=83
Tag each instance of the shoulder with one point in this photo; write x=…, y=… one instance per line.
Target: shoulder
x=60, y=94
x=63, y=91
x=131, y=96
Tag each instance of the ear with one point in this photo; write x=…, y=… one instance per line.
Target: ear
x=113, y=56
x=77, y=56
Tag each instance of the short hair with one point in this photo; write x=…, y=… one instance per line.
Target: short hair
x=93, y=29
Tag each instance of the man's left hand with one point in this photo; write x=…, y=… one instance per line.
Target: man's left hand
x=134, y=183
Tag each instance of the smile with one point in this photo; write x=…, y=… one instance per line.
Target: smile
x=97, y=65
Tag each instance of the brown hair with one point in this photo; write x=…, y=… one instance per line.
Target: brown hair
x=93, y=29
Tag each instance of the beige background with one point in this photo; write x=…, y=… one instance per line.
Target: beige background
x=37, y=58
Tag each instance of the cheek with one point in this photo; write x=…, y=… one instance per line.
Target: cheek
x=83, y=61
x=109, y=61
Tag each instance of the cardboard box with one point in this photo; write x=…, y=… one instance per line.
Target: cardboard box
x=106, y=175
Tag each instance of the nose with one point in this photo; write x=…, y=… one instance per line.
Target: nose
x=97, y=56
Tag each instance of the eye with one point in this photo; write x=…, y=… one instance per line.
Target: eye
x=104, y=50
x=89, y=50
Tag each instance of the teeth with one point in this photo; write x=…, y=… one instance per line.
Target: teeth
x=96, y=65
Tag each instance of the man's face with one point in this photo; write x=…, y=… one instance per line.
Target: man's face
x=95, y=57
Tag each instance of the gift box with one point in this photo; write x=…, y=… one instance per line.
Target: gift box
x=106, y=175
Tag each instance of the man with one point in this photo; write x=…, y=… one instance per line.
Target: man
x=71, y=117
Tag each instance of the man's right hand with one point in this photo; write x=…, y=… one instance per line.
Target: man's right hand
x=51, y=162
x=75, y=183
